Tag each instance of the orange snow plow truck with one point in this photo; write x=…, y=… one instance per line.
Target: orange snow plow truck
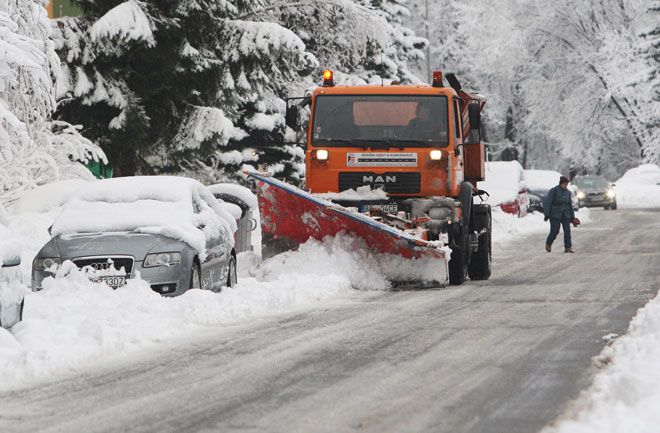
x=395, y=166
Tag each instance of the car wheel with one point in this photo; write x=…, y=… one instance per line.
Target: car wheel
x=613, y=207
x=607, y=207
x=195, y=277
x=232, y=275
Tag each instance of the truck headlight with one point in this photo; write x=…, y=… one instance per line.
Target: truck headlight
x=581, y=195
x=46, y=263
x=611, y=193
x=322, y=155
x=435, y=155
x=161, y=259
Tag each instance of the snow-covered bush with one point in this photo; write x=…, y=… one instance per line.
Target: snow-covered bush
x=34, y=148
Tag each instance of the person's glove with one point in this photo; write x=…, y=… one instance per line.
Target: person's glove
x=576, y=222
x=546, y=218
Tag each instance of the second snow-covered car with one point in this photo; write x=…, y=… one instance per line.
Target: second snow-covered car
x=170, y=230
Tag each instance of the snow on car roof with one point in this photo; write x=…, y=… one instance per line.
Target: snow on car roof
x=146, y=204
x=130, y=189
x=504, y=180
x=541, y=179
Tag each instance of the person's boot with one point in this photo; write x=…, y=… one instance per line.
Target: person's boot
x=569, y=250
x=548, y=248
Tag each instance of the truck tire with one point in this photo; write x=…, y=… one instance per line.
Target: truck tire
x=458, y=263
x=460, y=245
x=480, y=263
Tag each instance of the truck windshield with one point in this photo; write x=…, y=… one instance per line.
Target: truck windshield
x=392, y=120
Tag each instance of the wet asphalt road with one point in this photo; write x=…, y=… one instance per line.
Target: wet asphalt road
x=506, y=355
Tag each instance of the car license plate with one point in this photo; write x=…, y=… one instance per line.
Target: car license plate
x=390, y=208
x=113, y=282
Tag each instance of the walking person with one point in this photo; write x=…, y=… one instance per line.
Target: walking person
x=558, y=208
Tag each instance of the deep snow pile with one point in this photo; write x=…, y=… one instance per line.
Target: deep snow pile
x=74, y=322
x=639, y=187
x=625, y=396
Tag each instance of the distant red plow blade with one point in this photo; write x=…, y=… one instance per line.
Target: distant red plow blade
x=290, y=217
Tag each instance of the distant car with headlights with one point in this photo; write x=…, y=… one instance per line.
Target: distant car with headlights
x=11, y=289
x=595, y=191
x=169, y=230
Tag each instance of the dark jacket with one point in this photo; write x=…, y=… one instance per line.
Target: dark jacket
x=558, y=203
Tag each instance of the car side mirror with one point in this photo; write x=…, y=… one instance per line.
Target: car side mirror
x=292, y=116
x=11, y=262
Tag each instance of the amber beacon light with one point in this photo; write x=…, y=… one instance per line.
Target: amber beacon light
x=328, y=78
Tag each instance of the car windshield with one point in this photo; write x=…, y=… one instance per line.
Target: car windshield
x=390, y=120
x=591, y=182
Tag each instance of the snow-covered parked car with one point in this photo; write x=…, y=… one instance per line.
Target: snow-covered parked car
x=505, y=184
x=248, y=235
x=170, y=230
x=639, y=187
x=11, y=289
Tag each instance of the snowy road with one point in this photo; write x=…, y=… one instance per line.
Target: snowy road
x=505, y=355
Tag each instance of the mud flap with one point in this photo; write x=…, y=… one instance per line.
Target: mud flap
x=290, y=217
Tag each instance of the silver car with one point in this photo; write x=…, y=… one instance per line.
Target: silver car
x=171, y=231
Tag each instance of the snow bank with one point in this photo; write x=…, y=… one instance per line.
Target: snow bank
x=74, y=323
x=504, y=181
x=639, y=187
x=47, y=197
x=625, y=396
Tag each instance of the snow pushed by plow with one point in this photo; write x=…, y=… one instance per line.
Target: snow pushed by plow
x=75, y=323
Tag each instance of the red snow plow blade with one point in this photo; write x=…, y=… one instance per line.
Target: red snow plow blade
x=290, y=217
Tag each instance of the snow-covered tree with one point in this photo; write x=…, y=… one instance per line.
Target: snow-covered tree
x=34, y=149
x=172, y=84
x=590, y=83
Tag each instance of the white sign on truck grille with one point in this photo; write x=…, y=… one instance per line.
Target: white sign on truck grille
x=381, y=159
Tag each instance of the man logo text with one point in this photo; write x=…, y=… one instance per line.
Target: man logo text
x=379, y=179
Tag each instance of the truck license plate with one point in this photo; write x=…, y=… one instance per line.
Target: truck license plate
x=113, y=282
x=390, y=208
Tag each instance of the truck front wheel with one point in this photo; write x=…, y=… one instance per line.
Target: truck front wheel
x=458, y=263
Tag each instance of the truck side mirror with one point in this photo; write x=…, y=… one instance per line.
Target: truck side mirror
x=474, y=114
x=292, y=116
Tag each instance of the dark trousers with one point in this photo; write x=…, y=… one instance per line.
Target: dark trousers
x=555, y=223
